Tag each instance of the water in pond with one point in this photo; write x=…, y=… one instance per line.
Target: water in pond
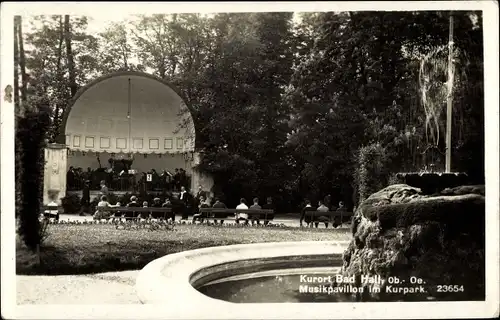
x=306, y=286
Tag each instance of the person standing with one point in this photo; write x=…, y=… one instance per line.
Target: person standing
x=177, y=181
x=242, y=215
x=70, y=179
x=200, y=194
x=104, y=188
x=185, y=199
x=338, y=220
x=255, y=206
x=85, y=203
x=182, y=195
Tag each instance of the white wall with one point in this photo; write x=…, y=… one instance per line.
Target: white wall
x=55, y=171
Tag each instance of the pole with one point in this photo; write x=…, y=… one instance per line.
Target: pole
x=449, y=107
x=129, y=116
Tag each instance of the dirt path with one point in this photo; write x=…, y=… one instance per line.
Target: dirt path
x=102, y=288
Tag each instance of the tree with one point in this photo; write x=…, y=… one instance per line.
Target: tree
x=22, y=59
x=31, y=131
x=243, y=119
x=69, y=56
x=365, y=66
x=16, y=65
x=116, y=51
x=157, y=46
x=49, y=66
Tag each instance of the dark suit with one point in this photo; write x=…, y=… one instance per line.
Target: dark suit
x=132, y=205
x=187, y=199
x=171, y=214
x=221, y=216
x=305, y=215
x=269, y=206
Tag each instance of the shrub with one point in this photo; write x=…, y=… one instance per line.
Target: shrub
x=31, y=131
x=372, y=172
x=71, y=203
x=112, y=198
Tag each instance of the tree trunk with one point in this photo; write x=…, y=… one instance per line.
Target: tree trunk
x=22, y=62
x=16, y=66
x=69, y=56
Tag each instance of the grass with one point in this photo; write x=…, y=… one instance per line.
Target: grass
x=81, y=249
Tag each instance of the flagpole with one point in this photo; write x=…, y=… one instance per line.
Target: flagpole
x=449, y=107
x=129, y=116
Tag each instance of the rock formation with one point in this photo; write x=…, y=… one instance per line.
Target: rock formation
x=401, y=234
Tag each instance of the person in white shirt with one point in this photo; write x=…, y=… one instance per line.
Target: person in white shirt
x=239, y=215
x=183, y=193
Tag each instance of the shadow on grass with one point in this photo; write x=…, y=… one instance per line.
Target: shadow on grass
x=86, y=249
x=81, y=260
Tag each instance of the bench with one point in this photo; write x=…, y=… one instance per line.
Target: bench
x=229, y=214
x=46, y=208
x=135, y=212
x=314, y=216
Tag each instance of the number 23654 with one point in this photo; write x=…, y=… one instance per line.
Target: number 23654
x=450, y=288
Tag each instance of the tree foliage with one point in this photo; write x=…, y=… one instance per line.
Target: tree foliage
x=285, y=107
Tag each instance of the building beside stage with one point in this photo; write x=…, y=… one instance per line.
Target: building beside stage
x=127, y=121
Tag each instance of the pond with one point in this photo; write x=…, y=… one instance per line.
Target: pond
x=275, y=286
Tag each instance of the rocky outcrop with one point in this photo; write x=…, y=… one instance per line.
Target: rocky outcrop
x=401, y=235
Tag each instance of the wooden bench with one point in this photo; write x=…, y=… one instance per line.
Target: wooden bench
x=314, y=216
x=265, y=215
x=164, y=212
x=46, y=208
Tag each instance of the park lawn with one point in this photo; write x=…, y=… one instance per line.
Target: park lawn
x=80, y=249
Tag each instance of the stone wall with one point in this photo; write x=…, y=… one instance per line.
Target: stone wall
x=400, y=233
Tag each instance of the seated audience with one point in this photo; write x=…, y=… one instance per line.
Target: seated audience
x=144, y=215
x=241, y=216
x=132, y=204
x=324, y=219
x=168, y=215
x=203, y=204
x=255, y=206
x=268, y=206
x=220, y=205
x=337, y=222
x=305, y=215
x=101, y=212
x=156, y=203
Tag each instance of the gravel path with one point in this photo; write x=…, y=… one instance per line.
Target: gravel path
x=102, y=288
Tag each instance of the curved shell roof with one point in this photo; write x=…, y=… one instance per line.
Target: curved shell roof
x=129, y=112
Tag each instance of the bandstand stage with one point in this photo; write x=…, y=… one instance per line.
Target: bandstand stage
x=130, y=116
